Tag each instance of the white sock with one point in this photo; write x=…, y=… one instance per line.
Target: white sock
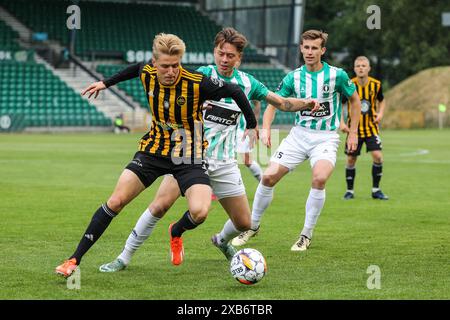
x=140, y=233
x=263, y=198
x=256, y=170
x=314, y=205
x=228, y=232
x=375, y=189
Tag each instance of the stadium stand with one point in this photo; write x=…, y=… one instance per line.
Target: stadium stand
x=8, y=38
x=32, y=90
x=32, y=93
x=119, y=29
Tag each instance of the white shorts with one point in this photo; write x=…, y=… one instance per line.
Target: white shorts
x=303, y=143
x=242, y=146
x=225, y=178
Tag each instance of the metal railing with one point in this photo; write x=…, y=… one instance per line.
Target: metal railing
x=99, y=77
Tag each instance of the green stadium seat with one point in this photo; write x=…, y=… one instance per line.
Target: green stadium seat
x=45, y=101
x=116, y=26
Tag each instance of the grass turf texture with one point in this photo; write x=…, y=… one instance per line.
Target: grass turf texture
x=51, y=184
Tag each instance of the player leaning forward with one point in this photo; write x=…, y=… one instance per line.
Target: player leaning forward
x=313, y=137
x=175, y=143
x=221, y=126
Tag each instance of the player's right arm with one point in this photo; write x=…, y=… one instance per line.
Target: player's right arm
x=346, y=87
x=342, y=125
x=381, y=106
x=355, y=112
x=281, y=100
x=268, y=117
x=292, y=104
x=128, y=73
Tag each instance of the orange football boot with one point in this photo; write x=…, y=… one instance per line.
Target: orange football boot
x=176, y=248
x=67, y=268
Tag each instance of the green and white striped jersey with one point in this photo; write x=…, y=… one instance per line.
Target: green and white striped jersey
x=220, y=122
x=325, y=85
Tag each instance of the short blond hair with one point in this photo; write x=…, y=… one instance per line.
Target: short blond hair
x=313, y=35
x=170, y=44
x=362, y=58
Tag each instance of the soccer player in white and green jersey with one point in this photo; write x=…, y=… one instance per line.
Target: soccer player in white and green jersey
x=220, y=126
x=313, y=137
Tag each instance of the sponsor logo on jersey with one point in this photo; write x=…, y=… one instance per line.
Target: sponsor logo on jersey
x=181, y=100
x=168, y=125
x=323, y=111
x=222, y=115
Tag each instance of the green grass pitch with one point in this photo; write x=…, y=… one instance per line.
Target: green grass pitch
x=50, y=185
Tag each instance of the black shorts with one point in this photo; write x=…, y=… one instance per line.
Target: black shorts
x=372, y=143
x=148, y=168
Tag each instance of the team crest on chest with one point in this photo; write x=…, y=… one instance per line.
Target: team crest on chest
x=365, y=106
x=326, y=88
x=181, y=100
x=166, y=104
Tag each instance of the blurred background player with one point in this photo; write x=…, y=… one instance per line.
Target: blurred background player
x=372, y=110
x=313, y=137
x=119, y=124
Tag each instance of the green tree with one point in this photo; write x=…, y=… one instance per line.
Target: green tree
x=411, y=37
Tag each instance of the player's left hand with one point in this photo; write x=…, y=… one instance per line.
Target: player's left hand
x=252, y=136
x=378, y=118
x=94, y=88
x=352, y=141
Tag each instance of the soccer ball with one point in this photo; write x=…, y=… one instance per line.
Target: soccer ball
x=248, y=266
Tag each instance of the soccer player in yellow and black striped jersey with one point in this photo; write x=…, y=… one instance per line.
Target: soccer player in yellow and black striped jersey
x=174, y=145
x=372, y=110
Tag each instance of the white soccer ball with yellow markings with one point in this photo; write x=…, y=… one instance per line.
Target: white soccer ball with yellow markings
x=248, y=266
